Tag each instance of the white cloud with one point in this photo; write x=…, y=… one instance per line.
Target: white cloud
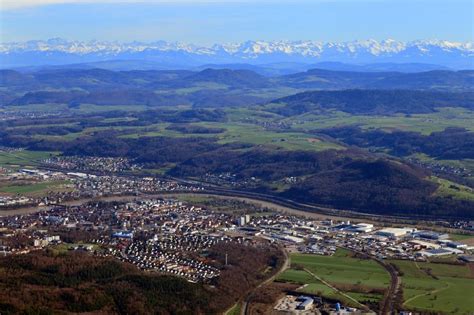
x=18, y=4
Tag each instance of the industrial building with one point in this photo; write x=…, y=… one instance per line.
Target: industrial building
x=305, y=303
x=394, y=233
x=431, y=235
x=439, y=252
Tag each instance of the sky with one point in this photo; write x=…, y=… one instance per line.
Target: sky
x=206, y=22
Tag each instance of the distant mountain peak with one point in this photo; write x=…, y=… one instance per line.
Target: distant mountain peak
x=61, y=51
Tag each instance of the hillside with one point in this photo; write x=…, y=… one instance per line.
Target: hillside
x=233, y=78
x=48, y=282
x=344, y=180
x=371, y=102
x=427, y=80
x=221, y=87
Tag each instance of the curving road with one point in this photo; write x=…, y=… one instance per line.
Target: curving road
x=251, y=294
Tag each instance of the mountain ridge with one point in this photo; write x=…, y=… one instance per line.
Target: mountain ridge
x=57, y=51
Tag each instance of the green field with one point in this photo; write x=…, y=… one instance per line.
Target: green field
x=423, y=123
x=344, y=270
x=246, y=133
x=437, y=287
x=35, y=189
x=364, y=280
x=460, y=237
x=427, y=286
x=241, y=126
x=23, y=158
x=449, y=189
x=65, y=247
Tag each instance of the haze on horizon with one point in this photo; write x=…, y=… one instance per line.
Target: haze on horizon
x=207, y=22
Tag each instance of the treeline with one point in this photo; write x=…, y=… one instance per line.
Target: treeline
x=194, y=129
x=19, y=131
x=371, y=102
x=452, y=143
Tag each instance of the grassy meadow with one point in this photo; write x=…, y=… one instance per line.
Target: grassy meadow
x=361, y=279
x=23, y=158
x=437, y=287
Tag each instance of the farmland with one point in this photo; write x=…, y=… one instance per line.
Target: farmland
x=243, y=126
x=427, y=286
x=361, y=279
x=32, y=189
x=14, y=159
x=436, y=287
x=423, y=123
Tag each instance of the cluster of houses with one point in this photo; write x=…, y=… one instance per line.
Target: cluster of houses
x=150, y=255
x=78, y=185
x=92, y=164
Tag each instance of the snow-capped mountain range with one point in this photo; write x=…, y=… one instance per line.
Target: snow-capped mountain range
x=59, y=51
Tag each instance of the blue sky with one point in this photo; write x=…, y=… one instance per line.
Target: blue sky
x=205, y=23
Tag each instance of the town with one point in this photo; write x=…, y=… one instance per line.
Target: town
x=105, y=207
x=171, y=236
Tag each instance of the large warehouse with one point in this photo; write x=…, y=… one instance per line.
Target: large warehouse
x=394, y=232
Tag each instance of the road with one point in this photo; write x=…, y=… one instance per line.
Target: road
x=251, y=294
x=388, y=302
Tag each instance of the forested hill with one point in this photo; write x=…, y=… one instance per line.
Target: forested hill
x=206, y=88
x=371, y=102
x=427, y=80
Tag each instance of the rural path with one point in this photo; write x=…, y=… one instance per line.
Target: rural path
x=249, y=297
x=334, y=288
x=426, y=293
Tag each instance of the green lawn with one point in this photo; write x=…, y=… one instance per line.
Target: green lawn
x=450, y=291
